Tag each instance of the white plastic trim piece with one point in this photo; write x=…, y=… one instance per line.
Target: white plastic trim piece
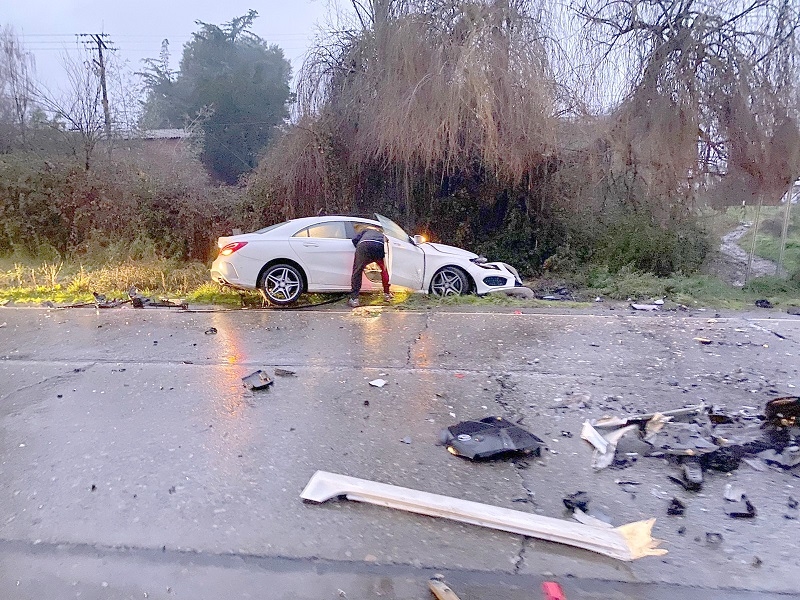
x=626, y=542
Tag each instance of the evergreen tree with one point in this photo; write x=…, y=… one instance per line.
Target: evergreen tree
x=232, y=83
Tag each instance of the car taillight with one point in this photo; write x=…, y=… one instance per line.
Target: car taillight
x=231, y=248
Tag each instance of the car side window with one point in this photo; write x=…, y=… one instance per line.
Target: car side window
x=334, y=229
x=359, y=227
x=301, y=233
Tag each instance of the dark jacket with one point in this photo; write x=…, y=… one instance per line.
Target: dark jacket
x=369, y=236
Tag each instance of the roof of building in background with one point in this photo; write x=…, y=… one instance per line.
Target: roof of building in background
x=155, y=134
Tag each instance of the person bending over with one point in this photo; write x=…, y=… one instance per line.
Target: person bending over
x=369, y=249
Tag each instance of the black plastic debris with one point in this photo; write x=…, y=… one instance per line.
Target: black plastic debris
x=676, y=508
x=257, y=381
x=692, y=473
x=492, y=437
x=763, y=303
x=139, y=301
x=577, y=500
x=211, y=331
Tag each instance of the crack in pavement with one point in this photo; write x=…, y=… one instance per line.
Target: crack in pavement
x=414, y=342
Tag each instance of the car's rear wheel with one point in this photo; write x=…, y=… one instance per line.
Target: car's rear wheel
x=282, y=283
x=450, y=281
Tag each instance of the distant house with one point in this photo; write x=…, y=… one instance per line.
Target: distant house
x=159, y=141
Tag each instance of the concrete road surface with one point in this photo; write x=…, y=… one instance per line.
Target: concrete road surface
x=133, y=463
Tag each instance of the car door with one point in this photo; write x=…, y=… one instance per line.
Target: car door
x=404, y=259
x=326, y=253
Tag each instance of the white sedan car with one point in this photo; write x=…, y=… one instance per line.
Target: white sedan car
x=315, y=254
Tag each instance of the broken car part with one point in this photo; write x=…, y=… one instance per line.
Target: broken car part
x=626, y=542
x=742, y=509
x=257, y=381
x=783, y=412
x=579, y=500
x=440, y=589
x=491, y=437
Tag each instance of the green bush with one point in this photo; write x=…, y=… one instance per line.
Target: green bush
x=634, y=239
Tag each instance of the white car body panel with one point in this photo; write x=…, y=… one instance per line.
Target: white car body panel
x=326, y=263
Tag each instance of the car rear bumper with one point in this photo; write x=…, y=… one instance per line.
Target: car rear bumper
x=225, y=273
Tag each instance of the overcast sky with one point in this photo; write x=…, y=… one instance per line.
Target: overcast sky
x=137, y=27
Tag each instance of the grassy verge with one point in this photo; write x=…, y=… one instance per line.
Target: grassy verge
x=34, y=282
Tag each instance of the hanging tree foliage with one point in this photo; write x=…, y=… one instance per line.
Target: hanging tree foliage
x=420, y=91
x=493, y=119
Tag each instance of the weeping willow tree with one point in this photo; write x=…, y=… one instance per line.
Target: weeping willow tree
x=711, y=107
x=498, y=119
x=420, y=105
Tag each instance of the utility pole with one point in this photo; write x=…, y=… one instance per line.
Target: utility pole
x=98, y=40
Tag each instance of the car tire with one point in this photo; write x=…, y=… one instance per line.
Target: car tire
x=282, y=283
x=450, y=281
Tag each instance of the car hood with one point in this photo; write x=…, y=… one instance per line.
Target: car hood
x=430, y=248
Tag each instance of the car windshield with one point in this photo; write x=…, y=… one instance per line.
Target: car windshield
x=392, y=229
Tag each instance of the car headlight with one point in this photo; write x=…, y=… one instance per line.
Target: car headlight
x=479, y=260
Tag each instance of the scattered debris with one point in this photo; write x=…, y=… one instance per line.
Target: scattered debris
x=702, y=340
x=743, y=509
x=645, y=307
x=733, y=494
x=440, y=589
x=783, y=412
x=792, y=503
x=552, y=591
x=284, y=372
x=257, y=380
x=579, y=500
x=491, y=437
x=692, y=473
x=788, y=458
x=757, y=562
x=406, y=440
x=626, y=542
x=587, y=519
x=100, y=301
x=140, y=301
x=378, y=383
x=676, y=508
x=754, y=464
x=713, y=538
x=763, y=303
x=793, y=310
x=211, y=331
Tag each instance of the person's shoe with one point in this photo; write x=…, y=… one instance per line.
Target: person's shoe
x=387, y=297
x=353, y=303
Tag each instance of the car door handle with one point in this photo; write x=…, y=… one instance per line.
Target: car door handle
x=310, y=245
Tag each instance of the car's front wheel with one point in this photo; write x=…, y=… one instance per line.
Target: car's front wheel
x=282, y=284
x=450, y=281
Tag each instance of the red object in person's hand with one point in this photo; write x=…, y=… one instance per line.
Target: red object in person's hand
x=552, y=591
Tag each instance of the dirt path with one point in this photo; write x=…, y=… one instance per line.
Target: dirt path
x=730, y=264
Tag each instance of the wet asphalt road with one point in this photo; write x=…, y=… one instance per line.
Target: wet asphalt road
x=134, y=462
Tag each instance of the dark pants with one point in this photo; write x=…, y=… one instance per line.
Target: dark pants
x=366, y=253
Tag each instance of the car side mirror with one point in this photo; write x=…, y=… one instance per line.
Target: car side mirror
x=419, y=239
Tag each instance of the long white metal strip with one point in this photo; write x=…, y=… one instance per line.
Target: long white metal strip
x=626, y=542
